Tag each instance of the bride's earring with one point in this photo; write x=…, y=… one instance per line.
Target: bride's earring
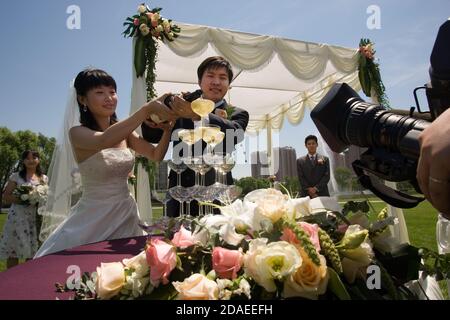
x=84, y=109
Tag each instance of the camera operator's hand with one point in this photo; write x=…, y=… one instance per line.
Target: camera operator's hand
x=433, y=170
x=182, y=108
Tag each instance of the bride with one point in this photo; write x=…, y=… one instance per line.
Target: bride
x=101, y=147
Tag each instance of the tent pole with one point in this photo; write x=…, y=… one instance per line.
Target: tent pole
x=269, y=146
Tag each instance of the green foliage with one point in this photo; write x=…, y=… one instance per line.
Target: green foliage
x=343, y=178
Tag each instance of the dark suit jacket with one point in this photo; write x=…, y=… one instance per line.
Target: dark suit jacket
x=237, y=121
x=314, y=175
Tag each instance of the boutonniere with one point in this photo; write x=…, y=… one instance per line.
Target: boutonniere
x=230, y=109
x=321, y=161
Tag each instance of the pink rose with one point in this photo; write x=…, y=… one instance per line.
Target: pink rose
x=311, y=229
x=162, y=259
x=183, y=238
x=226, y=262
x=136, y=21
x=149, y=15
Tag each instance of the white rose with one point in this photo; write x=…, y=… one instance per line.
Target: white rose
x=197, y=287
x=110, y=279
x=24, y=197
x=142, y=9
x=138, y=263
x=265, y=263
x=273, y=205
x=159, y=28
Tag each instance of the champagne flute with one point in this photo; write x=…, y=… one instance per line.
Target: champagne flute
x=202, y=107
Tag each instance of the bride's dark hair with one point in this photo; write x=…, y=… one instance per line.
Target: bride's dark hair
x=90, y=79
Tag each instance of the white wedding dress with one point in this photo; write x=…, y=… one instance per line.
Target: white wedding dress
x=106, y=209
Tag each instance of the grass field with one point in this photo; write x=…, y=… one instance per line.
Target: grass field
x=421, y=223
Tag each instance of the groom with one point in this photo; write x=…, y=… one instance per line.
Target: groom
x=214, y=77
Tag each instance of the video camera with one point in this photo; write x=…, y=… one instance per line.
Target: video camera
x=391, y=136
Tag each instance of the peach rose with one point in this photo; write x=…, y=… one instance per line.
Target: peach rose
x=110, y=279
x=197, y=287
x=309, y=281
x=162, y=259
x=183, y=238
x=226, y=262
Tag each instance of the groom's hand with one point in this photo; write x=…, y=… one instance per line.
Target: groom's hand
x=182, y=108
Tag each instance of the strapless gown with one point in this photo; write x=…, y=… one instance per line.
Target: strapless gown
x=106, y=209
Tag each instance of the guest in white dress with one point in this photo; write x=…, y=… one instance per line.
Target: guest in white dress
x=19, y=239
x=101, y=147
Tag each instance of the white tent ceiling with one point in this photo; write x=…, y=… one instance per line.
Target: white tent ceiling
x=274, y=77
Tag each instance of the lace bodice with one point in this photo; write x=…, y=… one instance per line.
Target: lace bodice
x=105, y=174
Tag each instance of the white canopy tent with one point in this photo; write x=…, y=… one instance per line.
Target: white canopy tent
x=274, y=79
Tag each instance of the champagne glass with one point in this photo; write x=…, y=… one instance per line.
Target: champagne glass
x=181, y=194
x=189, y=136
x=162, y=196
x=229, y=194
x=199, y=193
x=212, y=135
x=215, y=160
x=178, y=167
x=228, y=164
x=202, y=107
x=198, y=165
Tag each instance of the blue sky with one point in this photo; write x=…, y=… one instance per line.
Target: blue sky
x=39, y=55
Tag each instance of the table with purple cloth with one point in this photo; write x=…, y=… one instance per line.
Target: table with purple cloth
x=35, y=279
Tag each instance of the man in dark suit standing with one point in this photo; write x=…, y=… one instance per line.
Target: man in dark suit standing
x=214, y=77
x=313, y=171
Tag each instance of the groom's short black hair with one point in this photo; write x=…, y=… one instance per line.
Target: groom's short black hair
x=214, y=63
x=310, y=137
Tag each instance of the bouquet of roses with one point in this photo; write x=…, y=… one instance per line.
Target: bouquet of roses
x=31, y=195
x=266, y=246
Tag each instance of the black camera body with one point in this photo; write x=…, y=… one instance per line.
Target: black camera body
x=391, y=136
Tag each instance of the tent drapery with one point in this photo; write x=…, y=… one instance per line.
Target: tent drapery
x=275, y=78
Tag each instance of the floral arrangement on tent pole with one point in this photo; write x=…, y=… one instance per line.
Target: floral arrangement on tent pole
x=148, y=26
x=266, y=246
x=369, y=72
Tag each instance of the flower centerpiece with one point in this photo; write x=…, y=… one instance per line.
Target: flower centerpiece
x=369, y=72
x=148, y=27
x=266, y=246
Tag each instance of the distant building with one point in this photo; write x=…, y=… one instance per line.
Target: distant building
x=162, y=175
x=285, y=162
x=259, y=164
